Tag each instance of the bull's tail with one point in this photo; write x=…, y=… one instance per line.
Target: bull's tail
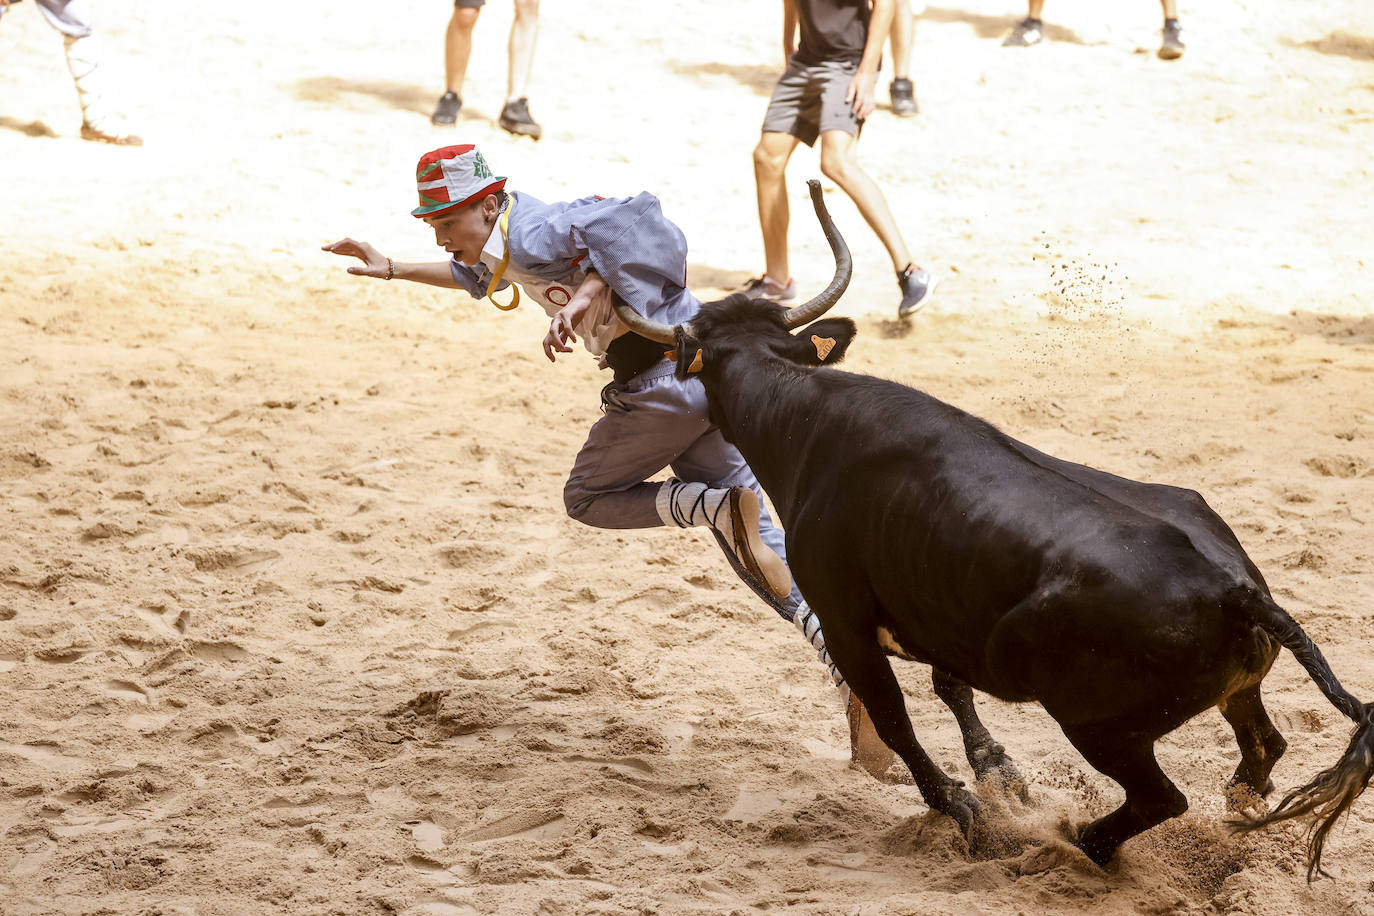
x=1331, y=793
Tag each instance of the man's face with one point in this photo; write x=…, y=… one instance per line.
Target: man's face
x=464, y=232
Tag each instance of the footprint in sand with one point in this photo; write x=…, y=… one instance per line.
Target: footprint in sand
x=627, y=766
x=1341, y=466
x=218, y=651
x=233, y=559
x=753, y=805
x=534, y=824
x=164, y=619
x=126, y=690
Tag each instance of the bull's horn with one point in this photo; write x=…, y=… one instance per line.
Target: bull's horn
x=644, y=327
x=844, y=267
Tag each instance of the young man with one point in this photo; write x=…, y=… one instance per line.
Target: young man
x=515, y=115
x=571, y=259
x=1031, y=30
x=99, y=121
x=827, y=91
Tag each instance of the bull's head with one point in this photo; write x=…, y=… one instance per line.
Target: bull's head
x=758, y=321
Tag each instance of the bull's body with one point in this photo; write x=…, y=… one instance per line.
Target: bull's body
x=1026, y=577
x=916, y=529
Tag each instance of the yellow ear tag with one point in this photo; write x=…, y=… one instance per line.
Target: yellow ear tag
x=823, y=346
x=505, y=262
x=696, y=363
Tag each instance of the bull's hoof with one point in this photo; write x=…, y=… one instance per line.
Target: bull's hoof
x=959, y=803
x=992, y=765
x=1241, y=797
x=1100, y=856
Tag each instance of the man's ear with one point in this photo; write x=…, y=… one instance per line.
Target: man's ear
x=824, y=342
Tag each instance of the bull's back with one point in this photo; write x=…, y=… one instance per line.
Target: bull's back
x=955, y=526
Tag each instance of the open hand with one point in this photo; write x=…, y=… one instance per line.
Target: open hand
x=375, y=263
x=862, y=95
x=562, y=329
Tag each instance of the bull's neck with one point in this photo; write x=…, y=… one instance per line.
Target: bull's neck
x=759, y=403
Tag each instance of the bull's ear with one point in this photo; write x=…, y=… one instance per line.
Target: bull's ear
x=689, y=356
x=823, y=343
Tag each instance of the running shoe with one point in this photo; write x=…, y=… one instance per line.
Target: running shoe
x=446, y=112
x=1026, y=33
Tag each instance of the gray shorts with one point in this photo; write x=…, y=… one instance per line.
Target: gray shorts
x=809, y=98
x=469, y=4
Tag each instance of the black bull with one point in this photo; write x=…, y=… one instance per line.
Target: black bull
x=916, y=529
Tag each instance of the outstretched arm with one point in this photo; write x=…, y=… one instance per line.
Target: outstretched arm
x=376, y=264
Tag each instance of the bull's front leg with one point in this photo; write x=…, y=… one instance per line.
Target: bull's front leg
x=987, y=757
x=865, y=667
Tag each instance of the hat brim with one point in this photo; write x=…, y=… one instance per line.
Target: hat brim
x=440, y=209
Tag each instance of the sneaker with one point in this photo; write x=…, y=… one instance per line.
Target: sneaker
x=916, y=284
x=1026, y=33
x=766, y=287
x=515, y=117
x=1172, y=47
x=446, y=112
x=108, y=133
x=903, y=96
x=739, y=525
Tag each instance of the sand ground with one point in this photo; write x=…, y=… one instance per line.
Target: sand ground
x=292, y=619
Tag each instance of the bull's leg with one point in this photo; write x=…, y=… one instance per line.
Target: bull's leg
x=986, y=756
x=866, y=668
x=1150, y=797
x=1261, y=745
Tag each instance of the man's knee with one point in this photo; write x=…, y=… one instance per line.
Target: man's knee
x=836, y=163
x=464, y=18
x=769, y=162
x=578, y=501
x=526, y=9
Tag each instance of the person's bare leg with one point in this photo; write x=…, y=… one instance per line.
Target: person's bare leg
x=1172, y=46
x=520, y=51
x=770, y=174
x=458, y=48
x=515, y=114
x=839, y=164
x=900, y=92
x=902, y=34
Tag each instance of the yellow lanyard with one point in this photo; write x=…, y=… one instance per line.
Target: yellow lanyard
x=500, y=271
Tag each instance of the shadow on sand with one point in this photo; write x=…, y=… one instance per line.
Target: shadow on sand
x=707, y=283
x=1352, y=330
x=29, y=128
x=333, y=89
x=993, y=26
x=759, y=79
x=1338, y=44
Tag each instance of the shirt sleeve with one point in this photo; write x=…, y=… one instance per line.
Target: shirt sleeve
x=640, y=254
x=467, y=278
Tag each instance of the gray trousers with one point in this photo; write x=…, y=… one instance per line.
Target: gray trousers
x=651, y=422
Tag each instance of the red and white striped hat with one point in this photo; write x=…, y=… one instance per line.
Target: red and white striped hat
x=453, y=177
